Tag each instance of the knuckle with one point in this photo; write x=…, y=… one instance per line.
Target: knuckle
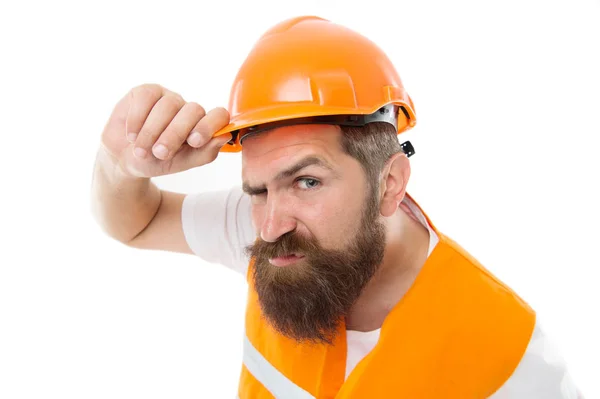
x=195, y=108
x=173, y=136
x=151, y=90
x=222, y=113
x=147, y=136
x=204, y=129
x=219, y=117
x=175, y=99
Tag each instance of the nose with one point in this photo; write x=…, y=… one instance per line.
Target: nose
x=277, y=221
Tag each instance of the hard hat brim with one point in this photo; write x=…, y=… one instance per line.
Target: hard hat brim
x=290, y=112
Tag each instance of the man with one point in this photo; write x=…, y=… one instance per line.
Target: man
x=353, y=292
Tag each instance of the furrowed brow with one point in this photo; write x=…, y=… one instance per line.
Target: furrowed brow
x=303, y=163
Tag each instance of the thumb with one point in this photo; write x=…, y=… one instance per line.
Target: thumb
x=207, y=153
x=220, y=141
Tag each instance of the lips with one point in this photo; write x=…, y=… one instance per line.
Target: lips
x=283, y=261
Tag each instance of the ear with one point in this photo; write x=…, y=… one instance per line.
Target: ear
x=393, y=180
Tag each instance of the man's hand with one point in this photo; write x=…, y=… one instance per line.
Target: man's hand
x=153, y=131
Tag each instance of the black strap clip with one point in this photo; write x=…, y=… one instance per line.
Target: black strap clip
x=407, y=148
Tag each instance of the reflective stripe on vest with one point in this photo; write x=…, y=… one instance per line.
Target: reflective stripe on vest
x=271, y=378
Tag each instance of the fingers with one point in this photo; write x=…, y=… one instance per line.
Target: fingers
x=160, y=122
x=141, y=101
x=214, y=120
x=161, y=115
x=178, y=130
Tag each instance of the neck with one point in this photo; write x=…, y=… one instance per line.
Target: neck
x=405, y=254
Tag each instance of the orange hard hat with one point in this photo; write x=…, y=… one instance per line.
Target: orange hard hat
x=310, y=70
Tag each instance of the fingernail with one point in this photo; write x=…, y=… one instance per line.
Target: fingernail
x=194, y=139
x=139, y=152
x=160, y=151
x=131, y=137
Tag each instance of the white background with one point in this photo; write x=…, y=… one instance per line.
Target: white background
x=507, y=95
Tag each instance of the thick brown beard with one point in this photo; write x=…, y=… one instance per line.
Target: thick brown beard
x=308, y=300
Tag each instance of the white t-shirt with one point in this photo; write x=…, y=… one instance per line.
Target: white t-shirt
x=218, y=225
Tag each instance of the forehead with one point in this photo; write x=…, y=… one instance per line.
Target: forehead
x=290, y=142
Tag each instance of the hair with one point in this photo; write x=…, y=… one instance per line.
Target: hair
x=372, y=145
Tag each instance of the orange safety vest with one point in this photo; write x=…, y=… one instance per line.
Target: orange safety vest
x=458, y=332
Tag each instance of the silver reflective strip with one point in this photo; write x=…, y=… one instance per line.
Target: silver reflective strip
x=271, y=378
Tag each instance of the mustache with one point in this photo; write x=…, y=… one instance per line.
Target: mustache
x=289, y=243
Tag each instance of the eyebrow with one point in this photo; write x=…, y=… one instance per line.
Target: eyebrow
x=310, y=160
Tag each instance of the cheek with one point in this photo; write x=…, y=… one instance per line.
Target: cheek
x=332, y=221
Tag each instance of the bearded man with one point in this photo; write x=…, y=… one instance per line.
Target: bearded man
x=353, y=291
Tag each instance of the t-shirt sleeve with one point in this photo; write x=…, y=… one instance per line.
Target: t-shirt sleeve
x=217, y=226
x=542, y=373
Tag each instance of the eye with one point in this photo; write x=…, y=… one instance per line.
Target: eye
x=306, y=183
x=258, y=196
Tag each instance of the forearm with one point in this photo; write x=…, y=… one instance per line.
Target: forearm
x=122, y=205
